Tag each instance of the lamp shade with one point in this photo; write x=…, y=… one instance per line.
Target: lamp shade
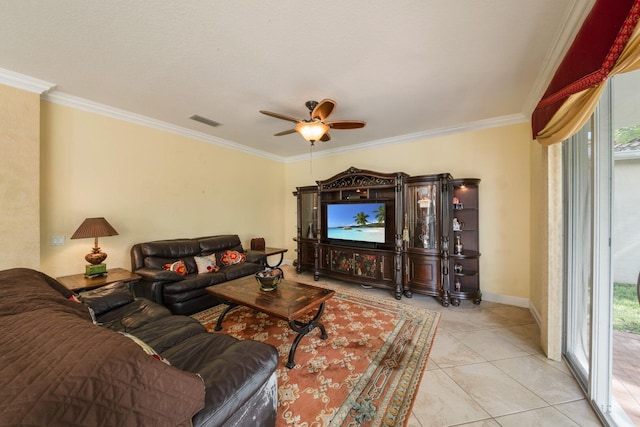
x=94, y=227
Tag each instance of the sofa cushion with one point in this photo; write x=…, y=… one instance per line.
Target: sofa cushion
x=193, y=281
x=133, y=315
x=220, y=243
x=173, y=249
x=164, y=333
x=233, y=371
x=240, y=270
x=107, y=297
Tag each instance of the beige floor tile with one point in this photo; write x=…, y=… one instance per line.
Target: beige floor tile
x=441, y=402
x=581, y=412
x=542, y=417
x=557, y=364
x=552, y=385
x=495, y=391
x=526, y=337
x=449, y=351
x=413, y=421
x=490, y=344
x=490, y=422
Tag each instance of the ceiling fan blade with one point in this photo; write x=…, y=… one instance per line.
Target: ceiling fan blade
x=323, y=109
x=280, y=116
x=346, y=124
x=284, y=132
x=326, y=137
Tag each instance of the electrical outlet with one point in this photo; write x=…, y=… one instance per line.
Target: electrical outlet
x=57, y=240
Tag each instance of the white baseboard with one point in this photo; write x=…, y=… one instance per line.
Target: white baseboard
x=506, y=299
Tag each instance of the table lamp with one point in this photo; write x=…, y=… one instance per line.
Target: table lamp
x=95, y=227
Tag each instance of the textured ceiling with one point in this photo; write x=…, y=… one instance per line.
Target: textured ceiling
x=408, y=68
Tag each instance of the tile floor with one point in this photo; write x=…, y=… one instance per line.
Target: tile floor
x=487, y=368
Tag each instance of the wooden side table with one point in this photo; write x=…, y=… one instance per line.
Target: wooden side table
x=78, y=282
x=274, y=251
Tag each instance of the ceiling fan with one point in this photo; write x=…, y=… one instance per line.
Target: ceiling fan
x=315, y=128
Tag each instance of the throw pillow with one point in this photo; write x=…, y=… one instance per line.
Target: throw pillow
x=230, y=257
x=177, y=266
x=206, y=264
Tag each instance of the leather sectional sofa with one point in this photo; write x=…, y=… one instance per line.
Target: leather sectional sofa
x=186, y=294
x=133, y=364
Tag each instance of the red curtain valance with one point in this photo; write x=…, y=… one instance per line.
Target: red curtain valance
x=589, y=60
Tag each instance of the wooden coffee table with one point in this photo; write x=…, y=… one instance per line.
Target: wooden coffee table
x=290, y=301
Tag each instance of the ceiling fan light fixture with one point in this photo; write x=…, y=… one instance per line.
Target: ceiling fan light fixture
x=312, y=131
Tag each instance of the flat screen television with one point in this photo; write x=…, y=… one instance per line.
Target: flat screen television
x=357, y=222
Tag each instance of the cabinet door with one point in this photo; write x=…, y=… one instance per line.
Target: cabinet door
x=307, y=255
x=365, y=265
x=387, y=267
x=341, y=261
x=422, y=221
x=423, y=274
x=323, y=257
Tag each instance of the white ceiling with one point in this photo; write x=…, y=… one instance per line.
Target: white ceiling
x=411, y=68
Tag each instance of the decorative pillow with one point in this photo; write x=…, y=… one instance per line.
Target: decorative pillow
x=233, y=257
x=206, y=264
x=177, y=266
x=146, y=347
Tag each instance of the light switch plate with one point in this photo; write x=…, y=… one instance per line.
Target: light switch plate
x=57, y=240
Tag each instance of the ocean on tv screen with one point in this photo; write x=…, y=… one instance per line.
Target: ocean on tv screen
x=363, y=234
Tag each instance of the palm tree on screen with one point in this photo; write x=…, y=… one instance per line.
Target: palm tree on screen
x=361, y=218
x=379, y=214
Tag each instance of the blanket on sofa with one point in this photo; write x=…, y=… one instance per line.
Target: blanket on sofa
x=58, y=368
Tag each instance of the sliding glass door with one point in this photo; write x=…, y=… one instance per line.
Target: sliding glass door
x=588, y=171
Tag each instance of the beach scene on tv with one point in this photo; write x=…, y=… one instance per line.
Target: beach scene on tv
x=359, y=221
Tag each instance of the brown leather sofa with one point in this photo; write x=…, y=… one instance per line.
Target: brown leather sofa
x=186, y=294
x=61, y=368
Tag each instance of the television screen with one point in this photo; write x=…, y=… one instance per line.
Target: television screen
x=364, y=222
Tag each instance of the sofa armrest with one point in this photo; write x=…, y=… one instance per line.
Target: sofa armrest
x=257, y=257
x=152, y=283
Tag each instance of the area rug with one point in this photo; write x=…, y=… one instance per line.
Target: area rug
x=366, y=373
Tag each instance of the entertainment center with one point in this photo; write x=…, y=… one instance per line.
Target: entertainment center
x=391, y=230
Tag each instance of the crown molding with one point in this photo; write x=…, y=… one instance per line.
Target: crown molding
x=24, y=82
x=127, y=116
x=105, y=110
x=466, y=127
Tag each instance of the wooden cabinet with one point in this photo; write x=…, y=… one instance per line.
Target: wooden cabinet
x=307, y=227
x=367, y=266
x=423, y=234
x=464, y=250
x=425, y=220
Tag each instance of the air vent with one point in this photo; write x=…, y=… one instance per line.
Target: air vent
x=204, y=120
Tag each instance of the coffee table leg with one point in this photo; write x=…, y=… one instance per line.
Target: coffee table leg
x=303, y=329
x=224, y=313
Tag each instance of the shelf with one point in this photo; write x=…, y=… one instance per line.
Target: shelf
x=466, y=273
x=465, y=254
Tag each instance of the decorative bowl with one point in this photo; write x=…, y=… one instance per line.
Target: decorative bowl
x=269, y=278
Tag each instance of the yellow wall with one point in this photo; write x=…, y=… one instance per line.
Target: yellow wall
x=149, y=184
x=500, y=157
x=152, y=184
x=19, y=178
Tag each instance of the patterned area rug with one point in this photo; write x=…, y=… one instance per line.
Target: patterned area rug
x=366, y=372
